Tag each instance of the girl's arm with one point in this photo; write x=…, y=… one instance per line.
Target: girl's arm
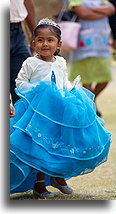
x=23, y=80
x=24, y=74
x=107, y=9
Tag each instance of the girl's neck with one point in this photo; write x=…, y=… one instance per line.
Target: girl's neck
x=46, y=58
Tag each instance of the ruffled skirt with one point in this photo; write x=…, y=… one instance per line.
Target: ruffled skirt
x=56, y=132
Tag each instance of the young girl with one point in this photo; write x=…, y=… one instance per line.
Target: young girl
x=55, y=133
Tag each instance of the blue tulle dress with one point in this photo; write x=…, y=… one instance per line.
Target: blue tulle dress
x=56, y=132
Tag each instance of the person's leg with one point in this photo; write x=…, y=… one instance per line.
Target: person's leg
x=61, y=181
x=40, y=190
x=16, y=63
x=61, y=184
x=39, y=184
x=99, y=88
x=19, y=51
x=89, y=87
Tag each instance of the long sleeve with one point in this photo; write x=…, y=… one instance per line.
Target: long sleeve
x=24, y=74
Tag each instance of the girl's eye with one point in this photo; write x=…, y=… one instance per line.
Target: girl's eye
x=50, y=40
x=39, y=40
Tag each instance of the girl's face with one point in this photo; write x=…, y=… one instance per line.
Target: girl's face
x=46, y=43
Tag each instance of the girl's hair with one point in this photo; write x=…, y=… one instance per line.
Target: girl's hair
x=53, y=27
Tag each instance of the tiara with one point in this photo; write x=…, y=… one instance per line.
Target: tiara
x=47, y=21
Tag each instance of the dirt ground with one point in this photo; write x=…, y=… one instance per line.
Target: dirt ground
x=100, y=184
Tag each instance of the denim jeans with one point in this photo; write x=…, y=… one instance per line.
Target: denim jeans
x=19, y=51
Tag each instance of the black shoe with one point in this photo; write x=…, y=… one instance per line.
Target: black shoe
x=98, y=113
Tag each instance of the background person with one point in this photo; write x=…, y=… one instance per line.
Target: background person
x=20, y=10
x=92, y=59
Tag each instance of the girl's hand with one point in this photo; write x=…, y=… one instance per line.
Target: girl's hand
x=12, y=111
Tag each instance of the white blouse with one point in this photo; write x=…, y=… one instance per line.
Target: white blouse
x=34, y=68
